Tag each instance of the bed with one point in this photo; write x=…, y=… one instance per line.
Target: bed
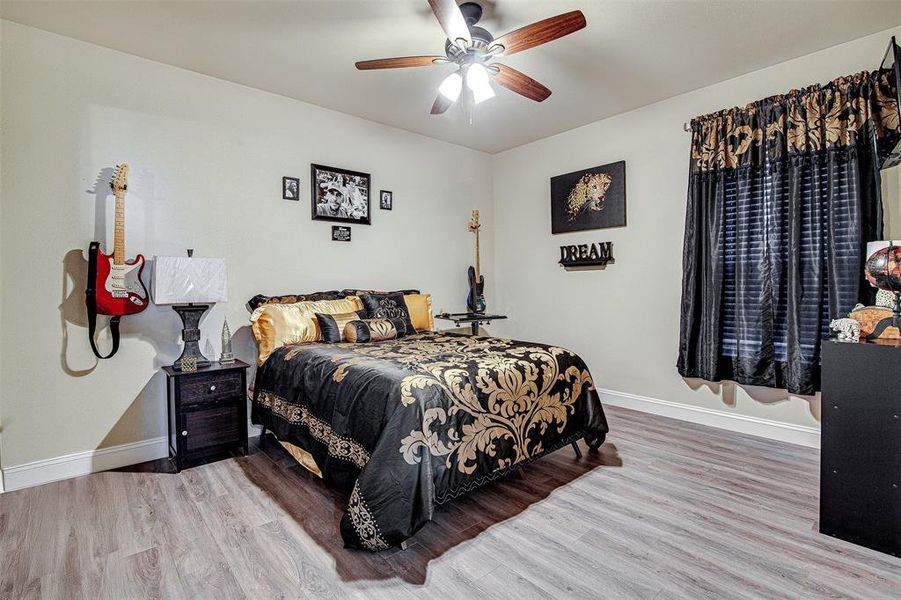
x=405, y=425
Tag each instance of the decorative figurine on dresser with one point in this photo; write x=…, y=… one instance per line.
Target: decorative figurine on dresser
x=207, y=411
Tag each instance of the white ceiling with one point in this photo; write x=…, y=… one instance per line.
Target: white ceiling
x=632, y=53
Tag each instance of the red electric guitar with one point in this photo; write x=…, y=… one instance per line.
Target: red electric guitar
x=114, y=284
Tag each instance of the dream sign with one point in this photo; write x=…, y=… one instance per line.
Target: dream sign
x=586, y=256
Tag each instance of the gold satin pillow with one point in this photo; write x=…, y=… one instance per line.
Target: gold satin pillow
x=303, y=457
x=420, y=308
x=277, y=325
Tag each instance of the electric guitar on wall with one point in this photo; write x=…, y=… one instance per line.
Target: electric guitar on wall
x=475, y=302
x=114, y=283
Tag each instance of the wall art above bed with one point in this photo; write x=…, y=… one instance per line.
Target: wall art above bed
x=340, y=195
x=589, y=199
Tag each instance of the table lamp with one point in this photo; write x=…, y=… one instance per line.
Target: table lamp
x=190, y=285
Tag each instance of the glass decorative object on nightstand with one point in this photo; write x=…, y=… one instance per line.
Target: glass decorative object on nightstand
x=227, y=356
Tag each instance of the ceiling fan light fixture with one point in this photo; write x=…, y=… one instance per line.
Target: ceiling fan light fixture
x=473, y=50
x=451, y=86
x=478, y=82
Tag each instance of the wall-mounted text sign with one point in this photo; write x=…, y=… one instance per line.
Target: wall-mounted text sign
x=586, y=256
x=340, y=233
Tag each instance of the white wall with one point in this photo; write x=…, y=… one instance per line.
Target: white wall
x=206, y=160
x=625, y=320
x=207, y=157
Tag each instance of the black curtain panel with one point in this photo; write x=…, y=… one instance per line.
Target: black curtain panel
x=782, y=198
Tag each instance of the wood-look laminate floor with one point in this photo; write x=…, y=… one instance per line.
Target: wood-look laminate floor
x=666, y=510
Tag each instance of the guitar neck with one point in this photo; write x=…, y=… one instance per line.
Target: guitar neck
x=119, y=233
x=478, y=266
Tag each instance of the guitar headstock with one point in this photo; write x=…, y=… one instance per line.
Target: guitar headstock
x=119, y=182
x=474, y=225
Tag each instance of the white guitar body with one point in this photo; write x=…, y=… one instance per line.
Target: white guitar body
x=124, y=281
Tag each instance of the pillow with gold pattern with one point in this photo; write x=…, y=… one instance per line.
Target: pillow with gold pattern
x=277, y=325
x=387, y=306
x=375, y=330
x=261, y=299
x=332, y=326
x=351, y=292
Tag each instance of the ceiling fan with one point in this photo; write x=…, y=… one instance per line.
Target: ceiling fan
x=474, y=50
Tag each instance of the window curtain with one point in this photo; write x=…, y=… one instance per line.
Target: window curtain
x=783, y=196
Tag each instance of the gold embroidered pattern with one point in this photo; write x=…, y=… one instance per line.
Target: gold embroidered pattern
x=338, y=446
x=364, y=523
x=511, y=400
x=516, y=395
x=815, y=118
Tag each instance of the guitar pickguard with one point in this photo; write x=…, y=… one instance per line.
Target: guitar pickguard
x=124, y=282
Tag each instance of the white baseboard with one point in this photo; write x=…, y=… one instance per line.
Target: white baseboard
x=90, y=461
x=83, y=463
x=93, y=461
x=801, y=435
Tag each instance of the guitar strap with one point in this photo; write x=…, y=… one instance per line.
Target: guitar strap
x=91, y=300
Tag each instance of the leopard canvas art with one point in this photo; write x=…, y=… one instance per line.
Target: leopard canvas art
x=589, y=199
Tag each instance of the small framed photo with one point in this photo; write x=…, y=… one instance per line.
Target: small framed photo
x=340, y=233
x=290, y=188
x=386, y=200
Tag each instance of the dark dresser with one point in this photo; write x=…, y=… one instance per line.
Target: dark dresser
x=207, y=411
x=860, y=456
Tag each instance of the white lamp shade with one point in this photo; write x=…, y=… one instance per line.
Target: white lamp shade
x=183, y=280
x=873, y=247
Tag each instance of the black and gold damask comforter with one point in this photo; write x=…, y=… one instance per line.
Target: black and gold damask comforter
x=404, y=425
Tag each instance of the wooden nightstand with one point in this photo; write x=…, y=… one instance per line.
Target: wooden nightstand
x=207, y=411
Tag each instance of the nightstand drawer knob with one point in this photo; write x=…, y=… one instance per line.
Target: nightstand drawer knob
x=185, y=432
x=212, y=388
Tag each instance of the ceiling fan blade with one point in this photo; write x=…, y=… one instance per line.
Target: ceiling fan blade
x=521, y=84
x=541, y=32
x=441, y=105
x=400, y=62
x=451, y=19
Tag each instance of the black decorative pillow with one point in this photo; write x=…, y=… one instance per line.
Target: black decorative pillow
x=376, y=330
x=350, y=292
x=261, y=299
x=387, y=306
x=332, y=326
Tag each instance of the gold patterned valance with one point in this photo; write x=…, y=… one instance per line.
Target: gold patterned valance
x=839, y=114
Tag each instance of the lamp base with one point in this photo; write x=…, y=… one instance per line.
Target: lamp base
x=190, y=317
x=893, y=321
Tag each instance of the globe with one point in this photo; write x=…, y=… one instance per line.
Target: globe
x=883, y=269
